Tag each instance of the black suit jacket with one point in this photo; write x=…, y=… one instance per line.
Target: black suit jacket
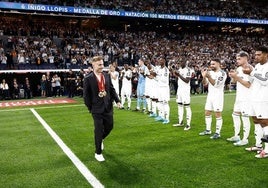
x=94, y=103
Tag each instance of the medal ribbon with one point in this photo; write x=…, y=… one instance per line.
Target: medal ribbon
x=101, y=84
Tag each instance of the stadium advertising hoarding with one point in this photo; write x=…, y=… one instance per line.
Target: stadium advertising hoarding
x=105, y=12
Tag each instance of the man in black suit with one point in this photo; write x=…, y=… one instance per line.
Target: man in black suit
x=99, y=95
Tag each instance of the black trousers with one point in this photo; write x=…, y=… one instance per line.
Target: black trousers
x=103, y=124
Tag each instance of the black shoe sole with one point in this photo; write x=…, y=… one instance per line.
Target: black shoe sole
x=264, y=140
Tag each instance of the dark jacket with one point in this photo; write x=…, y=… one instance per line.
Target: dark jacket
x=94, y=103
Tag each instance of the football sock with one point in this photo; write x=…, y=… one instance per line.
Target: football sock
x=208, y=120
x=237, y=123
x=144, y=103
x=138, y=103
x=246, y=127
x=265, y=131
x=166, y=110
x=188, y=115
x=154, y=107
x=258, y=135
x=123, y=98
x=149, y=104
x=180, y=112
x=160, y=109
x=129, y=101
x=218, y=125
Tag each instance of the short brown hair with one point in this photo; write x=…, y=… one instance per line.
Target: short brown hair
x=96, y=58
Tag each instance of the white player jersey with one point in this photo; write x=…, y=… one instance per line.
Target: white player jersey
x=217, y=90
x=242, y=92
x=162, y=77
x=185, y=72
x=149, y=81
x=259, y=86
x=127, y=73
x=115, y=82
x=147, y=71
x=156, y=69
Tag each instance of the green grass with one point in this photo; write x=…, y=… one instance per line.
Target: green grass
x=139, y=152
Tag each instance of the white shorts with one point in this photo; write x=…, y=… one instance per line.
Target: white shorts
x=164, y=94
x=259, y=109
x=242, y=107
x=154, y=94
x=183, y=97
x=148, y=87
x=213, y=104
x=126, y=90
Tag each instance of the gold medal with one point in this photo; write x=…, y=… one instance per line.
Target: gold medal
x=101, y=94
x=104, y=93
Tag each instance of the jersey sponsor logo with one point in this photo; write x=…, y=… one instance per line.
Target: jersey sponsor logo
x=220, y=78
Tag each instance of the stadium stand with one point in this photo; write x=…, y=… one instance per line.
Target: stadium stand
x=70, y=46
x=225, y=8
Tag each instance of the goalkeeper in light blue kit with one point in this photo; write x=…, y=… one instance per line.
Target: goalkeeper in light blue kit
x=142, y=69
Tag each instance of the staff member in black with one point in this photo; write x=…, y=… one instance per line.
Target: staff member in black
x=71, y=84
x=99, y=95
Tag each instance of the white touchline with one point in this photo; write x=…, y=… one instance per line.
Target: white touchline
x=78, y=105
x=42, y=107
x=79, y=165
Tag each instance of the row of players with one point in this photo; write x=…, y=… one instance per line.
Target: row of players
x=153, y=94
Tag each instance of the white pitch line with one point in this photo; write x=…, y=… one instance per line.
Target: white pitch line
x=76, y=161
x=76, y=105
x=41, y=107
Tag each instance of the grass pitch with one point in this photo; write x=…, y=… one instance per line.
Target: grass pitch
x=139, y=152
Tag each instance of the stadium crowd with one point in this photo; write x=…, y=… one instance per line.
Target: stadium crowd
x=222, y=8
x=62, y=46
